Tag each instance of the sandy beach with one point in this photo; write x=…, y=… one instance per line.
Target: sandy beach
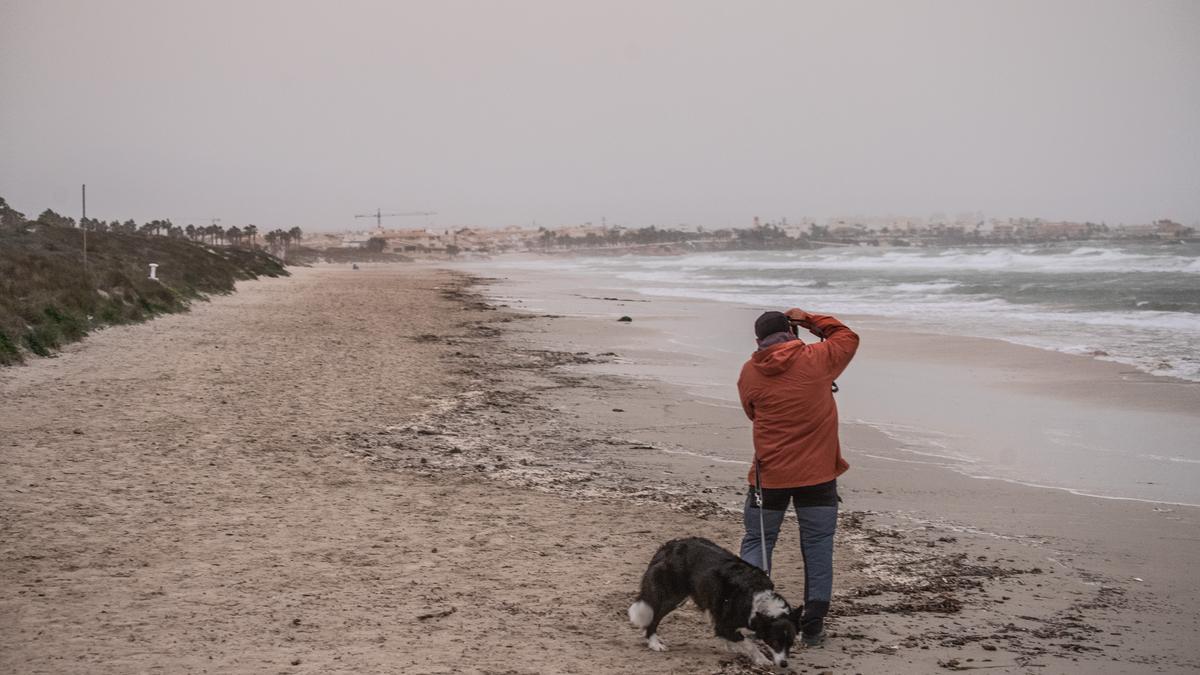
x=379, y=470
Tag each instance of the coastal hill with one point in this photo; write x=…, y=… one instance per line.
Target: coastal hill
x=49, y=297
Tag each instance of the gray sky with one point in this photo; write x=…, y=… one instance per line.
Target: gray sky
x=286, y=113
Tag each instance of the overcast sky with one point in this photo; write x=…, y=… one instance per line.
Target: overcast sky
x=495, y=113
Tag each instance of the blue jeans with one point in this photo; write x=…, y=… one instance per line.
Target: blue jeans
x=817, y=526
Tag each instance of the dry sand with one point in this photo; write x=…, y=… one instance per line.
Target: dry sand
x=371, y=471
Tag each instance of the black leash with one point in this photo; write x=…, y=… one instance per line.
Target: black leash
x=762, y=528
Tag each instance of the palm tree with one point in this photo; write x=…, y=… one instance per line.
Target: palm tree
x=296, y=234
x=285, y=241
x=252, y=232
x=234, y=234
x=277, y=239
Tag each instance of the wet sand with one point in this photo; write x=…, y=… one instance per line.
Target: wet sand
x=372, y=470
x=1140, y=552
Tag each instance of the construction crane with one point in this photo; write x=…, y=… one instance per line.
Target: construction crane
x=379, y=216
x=211, y=220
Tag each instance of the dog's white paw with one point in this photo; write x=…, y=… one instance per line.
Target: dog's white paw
x=656, y=644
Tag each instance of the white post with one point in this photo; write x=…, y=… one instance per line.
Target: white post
x=153, y=270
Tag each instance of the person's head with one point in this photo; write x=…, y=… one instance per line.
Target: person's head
x=770, y=323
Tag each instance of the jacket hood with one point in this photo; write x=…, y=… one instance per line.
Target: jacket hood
x=777, y=358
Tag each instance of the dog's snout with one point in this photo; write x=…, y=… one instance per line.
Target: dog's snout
x=783, y=663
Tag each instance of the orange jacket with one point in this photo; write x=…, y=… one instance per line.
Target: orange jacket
x=785, y=390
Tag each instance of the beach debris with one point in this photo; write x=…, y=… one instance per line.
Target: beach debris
x=886, y=649
x=739, y=665
x=520, y=436
x=437, y=615
x=625, y=319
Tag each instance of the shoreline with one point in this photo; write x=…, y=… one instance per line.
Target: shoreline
x=1117, y=544
x=306, y=472
x=1078, y=408
x=932, y=287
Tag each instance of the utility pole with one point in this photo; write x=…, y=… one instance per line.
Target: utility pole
x=83, y=224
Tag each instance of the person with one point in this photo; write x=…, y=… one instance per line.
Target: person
x=786, y=389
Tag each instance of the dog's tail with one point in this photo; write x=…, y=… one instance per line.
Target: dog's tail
x=641, y=614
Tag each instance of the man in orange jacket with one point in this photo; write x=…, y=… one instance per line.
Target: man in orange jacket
x=786, y=389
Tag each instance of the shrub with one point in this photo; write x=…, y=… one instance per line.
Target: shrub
x=47, y=298
x=9, y=353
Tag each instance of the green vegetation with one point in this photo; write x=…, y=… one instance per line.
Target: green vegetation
x=760, y=237
x=48, y=298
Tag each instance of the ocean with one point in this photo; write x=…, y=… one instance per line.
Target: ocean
x=1132, y=303
x=1136, y=304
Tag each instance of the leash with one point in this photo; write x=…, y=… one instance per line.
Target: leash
x=762, y=528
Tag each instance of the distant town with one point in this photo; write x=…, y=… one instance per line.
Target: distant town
x=381, y=243
x=602, y=239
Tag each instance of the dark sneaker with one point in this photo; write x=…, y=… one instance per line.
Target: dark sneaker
x=812, y=632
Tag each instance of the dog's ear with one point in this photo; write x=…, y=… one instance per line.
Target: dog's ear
x=794, y=616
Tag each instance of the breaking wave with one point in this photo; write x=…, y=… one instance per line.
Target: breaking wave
x=1133, y=304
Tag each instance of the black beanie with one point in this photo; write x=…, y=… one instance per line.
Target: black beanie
x=770, y=323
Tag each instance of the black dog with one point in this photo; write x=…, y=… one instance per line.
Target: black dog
x=738, y=596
